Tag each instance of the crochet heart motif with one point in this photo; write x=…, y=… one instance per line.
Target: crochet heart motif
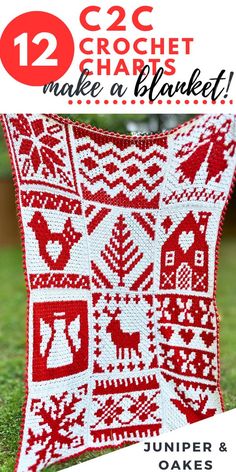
x=187, y=335
x=167, y=332
x=208, y=338
x=186, y=240
x=54, y=249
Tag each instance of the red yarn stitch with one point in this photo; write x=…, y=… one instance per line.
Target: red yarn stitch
x=172, y=344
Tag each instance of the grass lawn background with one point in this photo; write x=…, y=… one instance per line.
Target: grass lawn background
x=12, y=345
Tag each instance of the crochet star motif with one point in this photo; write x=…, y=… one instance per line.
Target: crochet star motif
x=121, y=238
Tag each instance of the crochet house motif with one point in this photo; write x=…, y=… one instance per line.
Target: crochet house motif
x=184, y=258
x=120, y=238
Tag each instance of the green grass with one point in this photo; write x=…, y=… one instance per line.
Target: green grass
x=12, y=345
x=5, y=166
x=226, y=298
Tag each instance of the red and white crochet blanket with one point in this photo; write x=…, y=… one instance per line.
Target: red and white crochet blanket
x=120, y=238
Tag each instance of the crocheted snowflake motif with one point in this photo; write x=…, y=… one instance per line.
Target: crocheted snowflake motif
x=41, y=150
x=59, y=418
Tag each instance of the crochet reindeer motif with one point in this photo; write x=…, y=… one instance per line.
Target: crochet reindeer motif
x=198, y=411
x=124, y=342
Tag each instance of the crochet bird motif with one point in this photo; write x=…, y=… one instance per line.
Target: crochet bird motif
x=54, y=248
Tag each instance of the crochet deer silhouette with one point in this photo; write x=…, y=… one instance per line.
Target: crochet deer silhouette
x=124, y=342
x=54, y=248
x=194, y=410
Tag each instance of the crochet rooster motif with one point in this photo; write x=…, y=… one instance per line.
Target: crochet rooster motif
x=121, y=237
x=54, y=248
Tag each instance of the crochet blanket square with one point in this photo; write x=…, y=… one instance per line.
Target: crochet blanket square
x=120, y=237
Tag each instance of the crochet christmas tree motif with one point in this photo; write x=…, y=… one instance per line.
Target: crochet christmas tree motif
x=120, y=239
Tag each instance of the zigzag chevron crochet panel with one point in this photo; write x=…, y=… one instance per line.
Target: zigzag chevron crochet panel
x=120, y=236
